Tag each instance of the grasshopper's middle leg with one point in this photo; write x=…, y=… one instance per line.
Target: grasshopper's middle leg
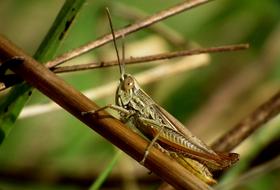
x=155, y=124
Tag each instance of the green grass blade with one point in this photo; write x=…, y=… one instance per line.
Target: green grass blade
x=13, y=102
x=59, y=30
x=103, y=176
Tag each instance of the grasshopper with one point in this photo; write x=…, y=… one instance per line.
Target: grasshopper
x=162, y=129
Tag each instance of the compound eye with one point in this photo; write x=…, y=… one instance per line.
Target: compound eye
x=128, y=83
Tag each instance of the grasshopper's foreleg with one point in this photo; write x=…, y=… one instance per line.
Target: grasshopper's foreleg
x=153, y=123
x=110, y=106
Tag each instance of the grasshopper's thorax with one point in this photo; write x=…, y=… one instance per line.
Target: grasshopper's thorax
x=130, y=96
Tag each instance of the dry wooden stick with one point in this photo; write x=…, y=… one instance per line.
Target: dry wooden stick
x=104, y=124
x=149, y=58
x=185, y=5
x=249, y=124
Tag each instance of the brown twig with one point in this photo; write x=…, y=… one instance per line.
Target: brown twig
x=112, y=129
x=13, y=79
x=185, y=5
x=149, y=58
x=263, y=113
x=249, y=124
x=133, y=14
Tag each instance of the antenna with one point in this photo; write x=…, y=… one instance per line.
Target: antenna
x=123, y=56
x=115, y=44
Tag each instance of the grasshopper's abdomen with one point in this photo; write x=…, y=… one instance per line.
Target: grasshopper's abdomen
x=176, y=138
x=175, y=142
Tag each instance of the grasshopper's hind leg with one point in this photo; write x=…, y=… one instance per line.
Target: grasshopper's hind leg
x=153, y=142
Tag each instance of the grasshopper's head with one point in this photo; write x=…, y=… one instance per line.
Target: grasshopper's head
x=126, y=89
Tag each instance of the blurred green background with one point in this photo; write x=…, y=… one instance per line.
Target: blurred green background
x=53, y=150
